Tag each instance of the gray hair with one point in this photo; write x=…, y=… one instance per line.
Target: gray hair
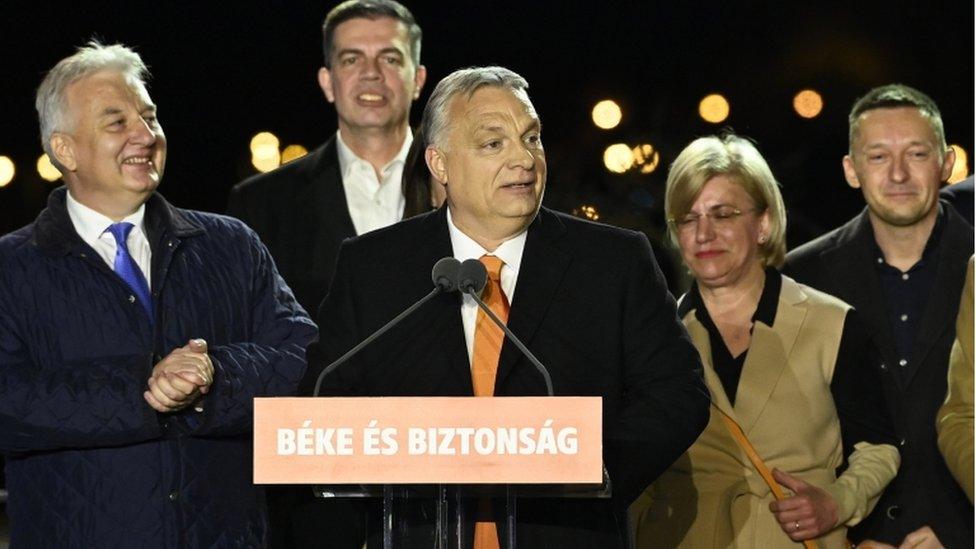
x=893, y=96
x=737, y=158
x=464, y=81
x=89, y=59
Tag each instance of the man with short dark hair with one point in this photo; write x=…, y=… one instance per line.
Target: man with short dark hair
x=901, y=263
x=588, y=299
x=349, y=185
x=134, y=336
x=352, y=183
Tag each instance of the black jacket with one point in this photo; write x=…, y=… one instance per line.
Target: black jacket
x=299, y=210
x=841, y=263
x=590, y=302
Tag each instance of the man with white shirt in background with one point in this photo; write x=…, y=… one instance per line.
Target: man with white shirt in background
x=348, y=186
x=351, y=184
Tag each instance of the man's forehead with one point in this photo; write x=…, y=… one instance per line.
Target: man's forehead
x=108, y=86
x=358, y=32
x=894, y=122
x=495, y=103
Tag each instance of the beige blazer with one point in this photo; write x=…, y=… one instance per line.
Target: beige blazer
x=955, y=420
x=712, y=496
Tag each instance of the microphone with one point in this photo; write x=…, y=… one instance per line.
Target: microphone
x=472, y=277
x=444, y=275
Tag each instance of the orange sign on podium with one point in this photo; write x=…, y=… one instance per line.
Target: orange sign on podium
x=428, y=440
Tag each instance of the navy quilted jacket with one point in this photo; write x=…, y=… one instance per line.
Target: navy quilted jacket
x=89, y=463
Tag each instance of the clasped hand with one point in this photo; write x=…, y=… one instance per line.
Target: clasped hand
x=178, y=380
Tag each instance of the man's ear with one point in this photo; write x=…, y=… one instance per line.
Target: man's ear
x=325, y=82
x=947, y=163
x=62, y=146
x=419, y=77
x=849, y=174
x=436, y=164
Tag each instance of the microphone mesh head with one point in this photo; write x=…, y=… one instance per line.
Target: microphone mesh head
x=444, y=275
x=472, y=277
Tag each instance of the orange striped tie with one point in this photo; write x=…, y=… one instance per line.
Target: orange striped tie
x=488, y=339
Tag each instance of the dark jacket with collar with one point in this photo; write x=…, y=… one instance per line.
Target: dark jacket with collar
x=299, y=210
x=590, y=302
x=841, y=263
x=89, y=463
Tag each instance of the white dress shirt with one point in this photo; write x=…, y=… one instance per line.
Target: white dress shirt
x=510, y=252
x=92, y=227
x=372, y=203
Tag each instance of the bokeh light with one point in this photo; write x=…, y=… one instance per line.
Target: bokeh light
x=713, y=108
x=292, y=152
x=265, y=155
x=646, y=158
x=7, y=171
x=607, y=114
x=618, y=158
x=808, y=103
x=46, y=169
x=587, y=211
x=960, y=169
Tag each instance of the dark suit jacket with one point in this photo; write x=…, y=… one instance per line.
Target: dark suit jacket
x=590, y=302
x=299, y=210
x=960, y=196
x=924, y=492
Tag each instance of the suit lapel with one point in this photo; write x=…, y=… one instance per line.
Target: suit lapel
x=323, y=200
x=852, y=268
x=701, y=341
x=943, y=302
x=768, y=356
x=542, y=269
x=444, y=311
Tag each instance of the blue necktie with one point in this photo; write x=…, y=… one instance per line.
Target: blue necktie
x=128, y=269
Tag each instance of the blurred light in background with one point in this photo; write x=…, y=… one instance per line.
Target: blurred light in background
x=960, y=169
x=646, y=158
x=606, y=114
x=6, y=171
x=713, y=108
x=618, y=158
x=46, y=170
x=589, y=212
x=264, y=152
x=292, y=152
x=808, y=103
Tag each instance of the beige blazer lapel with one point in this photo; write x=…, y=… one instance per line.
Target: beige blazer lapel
x=768, y=356
x=699, y=337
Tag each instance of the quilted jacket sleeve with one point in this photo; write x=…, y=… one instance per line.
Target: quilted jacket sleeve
x=271, y=363
x=89, y=404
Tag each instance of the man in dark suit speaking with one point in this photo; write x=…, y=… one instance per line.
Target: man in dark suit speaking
x=589, y=300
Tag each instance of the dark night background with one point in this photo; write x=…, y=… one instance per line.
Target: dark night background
x=223, y=71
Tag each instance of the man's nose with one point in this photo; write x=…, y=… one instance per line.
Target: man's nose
x=899, y=169
x=142, y=133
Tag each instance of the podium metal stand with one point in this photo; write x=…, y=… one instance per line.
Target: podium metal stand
x=452, y=523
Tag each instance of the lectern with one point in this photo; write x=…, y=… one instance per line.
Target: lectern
x=436, y=463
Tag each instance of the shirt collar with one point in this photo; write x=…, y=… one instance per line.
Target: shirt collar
x=90, y=224
x=930, y=245
x=765, y=309
x=348, y=159
x=466, y=248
